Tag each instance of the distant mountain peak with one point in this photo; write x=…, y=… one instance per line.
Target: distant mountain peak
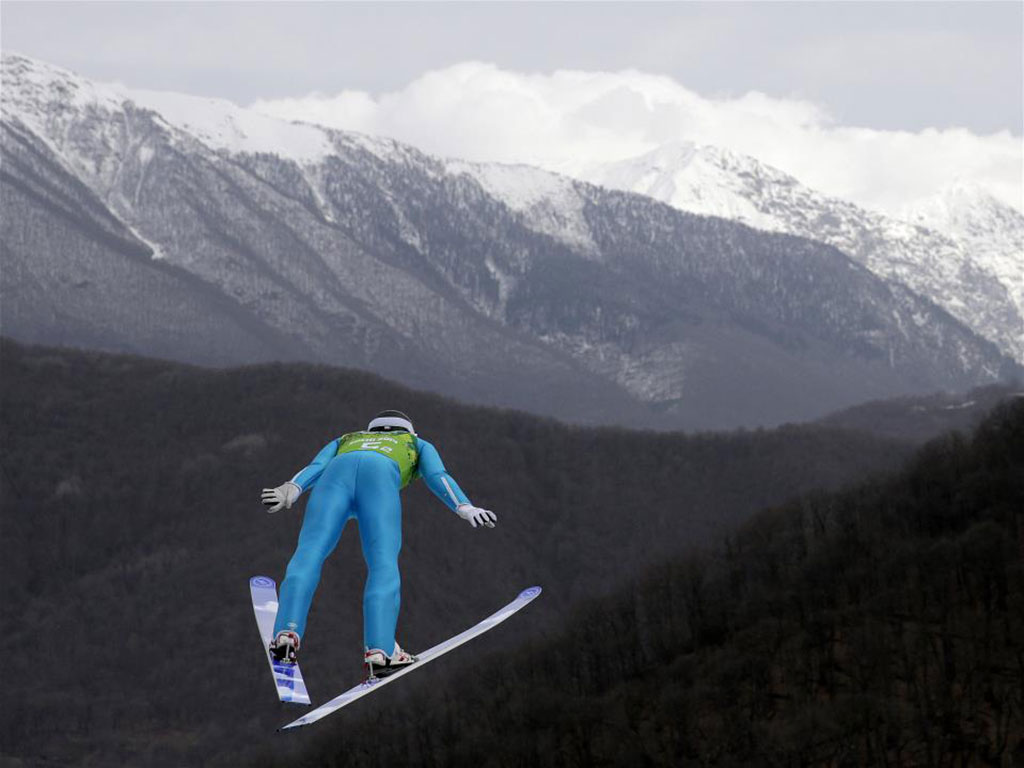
x=38, y=91
x=968, y=209
x=964, y=249
x=991, y=230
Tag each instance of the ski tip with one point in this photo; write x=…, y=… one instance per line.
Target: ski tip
x=529, y=593
x=262, y=581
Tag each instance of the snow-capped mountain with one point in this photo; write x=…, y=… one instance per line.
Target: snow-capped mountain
x=991, y=231
x=964, y=250
x=193, y=229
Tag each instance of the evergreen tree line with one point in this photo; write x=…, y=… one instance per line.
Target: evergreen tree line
x=881, y=625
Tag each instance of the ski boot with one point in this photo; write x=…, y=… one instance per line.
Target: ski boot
x=379, y=664
x=285, y=647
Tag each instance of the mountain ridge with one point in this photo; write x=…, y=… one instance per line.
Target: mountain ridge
x=608, y=308
x=972, y=272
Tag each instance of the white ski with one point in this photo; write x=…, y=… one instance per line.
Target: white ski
x=373, y=684
x=287, y=677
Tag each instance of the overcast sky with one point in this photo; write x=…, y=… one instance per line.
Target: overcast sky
x=800, y=84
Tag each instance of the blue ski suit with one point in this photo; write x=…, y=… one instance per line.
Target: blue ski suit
x=365, y=485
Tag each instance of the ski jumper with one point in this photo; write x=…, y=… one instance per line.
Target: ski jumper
x=360, y=475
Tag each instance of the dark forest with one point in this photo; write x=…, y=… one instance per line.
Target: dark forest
x=804, y=595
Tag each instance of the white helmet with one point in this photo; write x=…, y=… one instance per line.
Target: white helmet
x=391, y=421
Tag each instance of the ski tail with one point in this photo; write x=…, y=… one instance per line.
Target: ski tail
x=288, y=679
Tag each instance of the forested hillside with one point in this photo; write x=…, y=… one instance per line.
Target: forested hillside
x=131, y=525
x=922, y=417
x=882, y=625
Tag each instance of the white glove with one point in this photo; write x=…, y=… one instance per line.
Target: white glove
x=282, y=496
x=476, y=516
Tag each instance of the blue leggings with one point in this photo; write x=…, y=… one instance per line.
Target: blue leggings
x=363, y=485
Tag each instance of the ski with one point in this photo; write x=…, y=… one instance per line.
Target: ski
x=287, y=677
x=375, y=683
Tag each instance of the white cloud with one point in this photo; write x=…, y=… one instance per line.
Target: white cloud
x=477, y=111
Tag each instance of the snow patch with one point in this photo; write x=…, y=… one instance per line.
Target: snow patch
x=387, y=150
x=992, y=231
x=158, y=253
x=33, y=89
x=222, y=124
x=314, y=187
x=707, y=181
x=506, y=283
x=548, y=202
x=960, y=406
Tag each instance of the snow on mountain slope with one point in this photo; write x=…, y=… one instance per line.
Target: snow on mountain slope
x=224, y=125
x=217, y=122
x=690, y=178
x=972, y=268
x=992, y=231
x=549, y=202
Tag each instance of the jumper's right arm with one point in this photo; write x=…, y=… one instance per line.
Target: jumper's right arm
x=287, y=494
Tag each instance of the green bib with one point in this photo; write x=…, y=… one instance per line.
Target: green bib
x=399, y=446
